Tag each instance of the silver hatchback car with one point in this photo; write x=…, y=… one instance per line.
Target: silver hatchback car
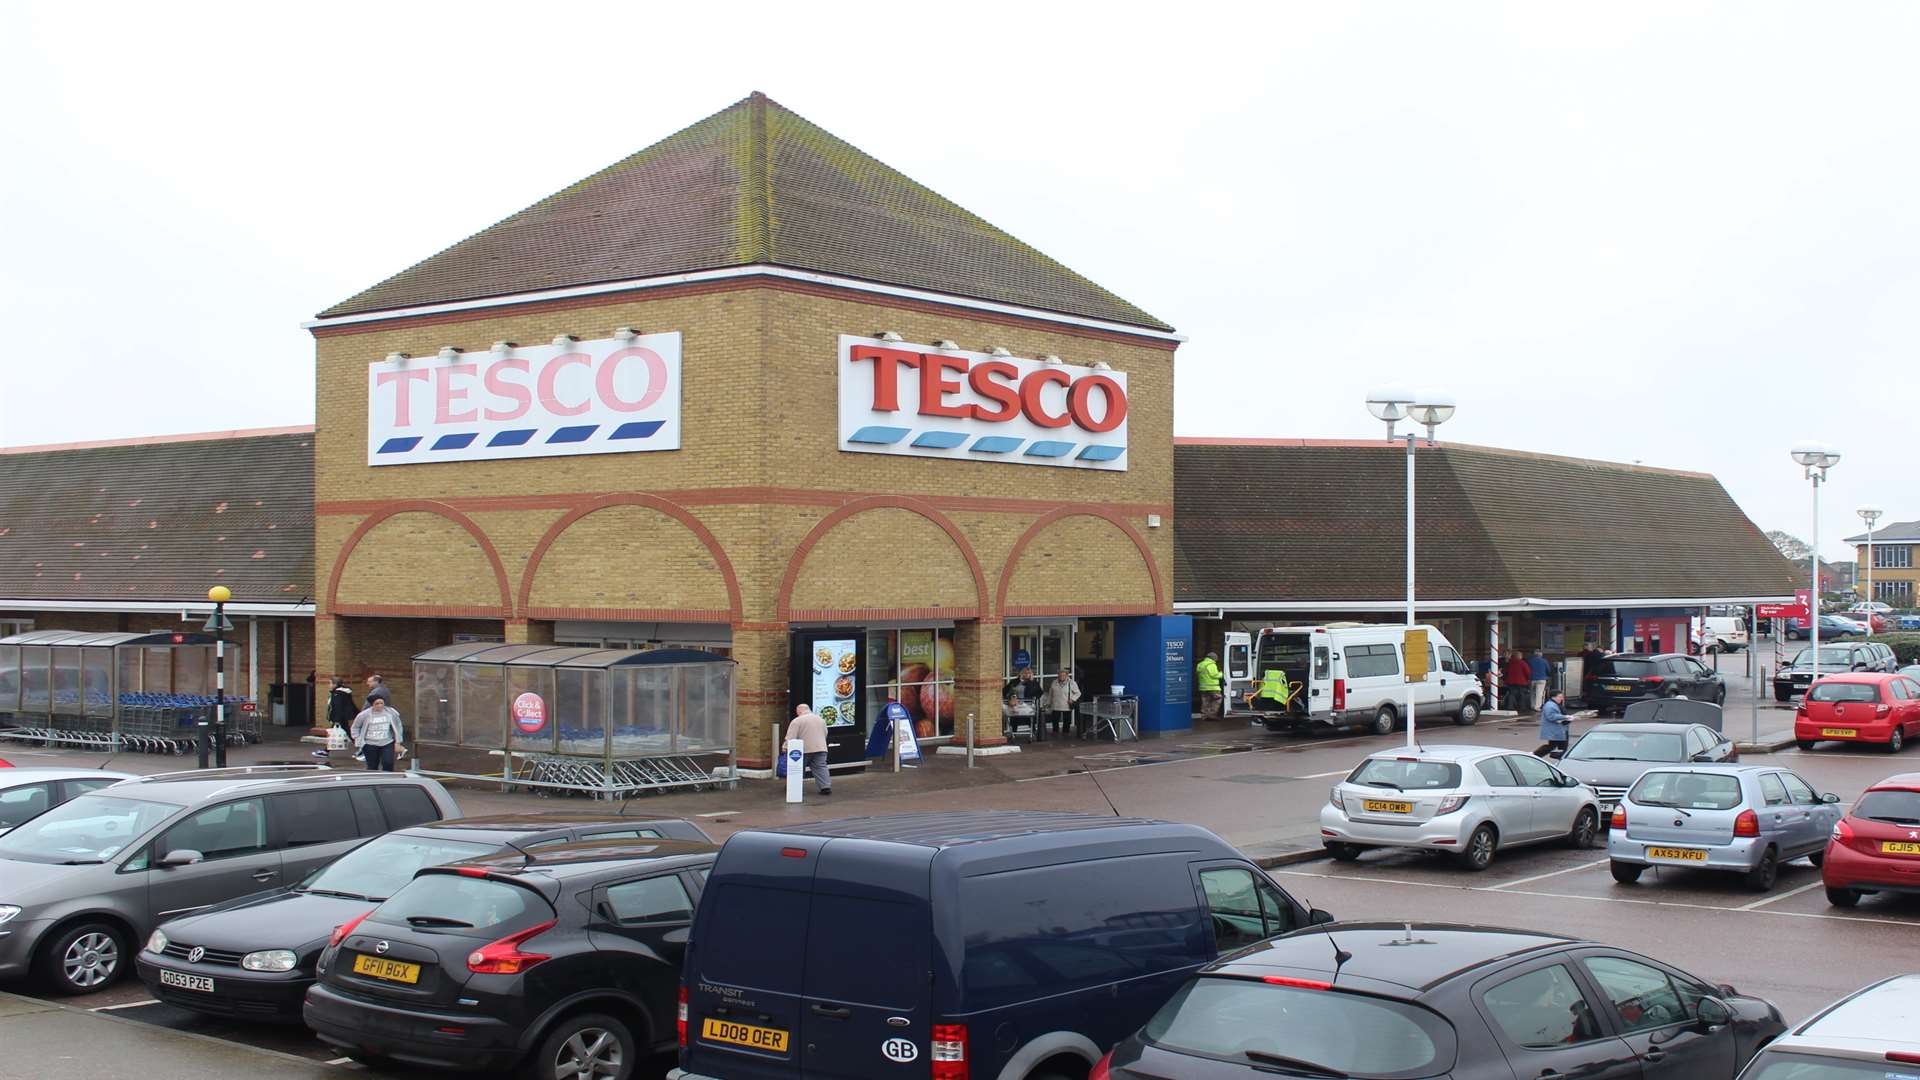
x=1469, y=801
x=1744, y=819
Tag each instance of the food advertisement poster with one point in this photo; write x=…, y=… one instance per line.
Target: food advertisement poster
x=834, y=664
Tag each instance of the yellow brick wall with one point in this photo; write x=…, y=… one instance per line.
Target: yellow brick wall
x=1079, y=560
x=419, y=558
x=885, y=558
x=629, y=557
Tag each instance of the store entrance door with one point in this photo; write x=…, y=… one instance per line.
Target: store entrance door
x=1046, y=648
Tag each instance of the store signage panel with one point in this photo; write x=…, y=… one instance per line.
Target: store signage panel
x=969, y=406
x=612, y=396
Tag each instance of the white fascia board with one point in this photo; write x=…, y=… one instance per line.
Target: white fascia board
x=144, y=607
x=757, y=270
x=1516, y=603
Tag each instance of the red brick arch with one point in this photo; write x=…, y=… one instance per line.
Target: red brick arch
x=652, y=502
x=419, y=506
x=784, y=603
x=1087, y=510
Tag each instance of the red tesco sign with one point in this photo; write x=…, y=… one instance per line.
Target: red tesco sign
x=1802, y=602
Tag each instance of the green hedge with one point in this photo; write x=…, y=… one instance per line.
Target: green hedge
x=1904, y=646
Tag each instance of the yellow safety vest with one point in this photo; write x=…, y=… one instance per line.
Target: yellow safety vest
x=1274, y=685
x=1209, y=673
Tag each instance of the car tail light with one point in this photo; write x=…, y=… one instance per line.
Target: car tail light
x=470, y=871
x=1654, y=679
x=1334, y=800
x=681, y=1023
x=1904, y=1056
x=1881, y=710
x=1297, y=984
x=1747, y=824
x=1102, y=1069
x=1619, y=819
x=948, y=1052
x=1339, y=693
x=340, y=932
x=504, y=957
x=1451, y=803
x=1842, y=832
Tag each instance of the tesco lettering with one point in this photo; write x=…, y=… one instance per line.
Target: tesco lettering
x=615, y=395
x=897, y=399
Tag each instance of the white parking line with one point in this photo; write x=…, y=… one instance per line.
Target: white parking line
x=1597, y=899
x=1765, y=900
x=342, y=1061
x=1548, y=874
x=725, y=813
x=124, y=1005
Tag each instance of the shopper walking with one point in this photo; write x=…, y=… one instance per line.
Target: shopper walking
x=812, y=733
x=1553, y=724
x=1207, y=674
x=1515, y=678
x=341, y=709
x=1022, y=698
x=378, y=733
x=377, y=688
x=1062, y=695
x=1537, y=671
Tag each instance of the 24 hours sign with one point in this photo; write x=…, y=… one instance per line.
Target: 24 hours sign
x=969, y=406
x=613, y=396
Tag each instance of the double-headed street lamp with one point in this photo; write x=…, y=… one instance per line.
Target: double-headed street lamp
x=1430, y=410
x=1816, y=458
x=1870, y=515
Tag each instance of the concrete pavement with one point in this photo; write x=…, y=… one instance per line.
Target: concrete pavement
x=42, y=1040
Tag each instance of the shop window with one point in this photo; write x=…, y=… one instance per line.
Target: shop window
x=915, y=668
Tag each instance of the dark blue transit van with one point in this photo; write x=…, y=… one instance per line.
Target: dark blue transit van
x=958, y=946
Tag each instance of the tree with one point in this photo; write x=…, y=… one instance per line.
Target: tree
x=1790, y=545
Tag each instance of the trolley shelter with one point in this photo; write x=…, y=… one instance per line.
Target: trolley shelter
x=120, y=690
x=601, y=722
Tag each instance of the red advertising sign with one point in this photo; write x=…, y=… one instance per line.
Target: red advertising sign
x=529, y=712
x=1796, y=610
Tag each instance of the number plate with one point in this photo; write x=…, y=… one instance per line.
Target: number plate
x=1677, y=854
x=759, y=1038
x=1606, y=810
x=390, y=970
x=1898, y=847
x=1383, y=806
x=1839, y=732
x=196, y=982
x=1615, y=687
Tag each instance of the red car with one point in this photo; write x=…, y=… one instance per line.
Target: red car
x=1859, y=706
x=1876, y=847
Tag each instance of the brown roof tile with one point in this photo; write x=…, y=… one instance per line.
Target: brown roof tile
x=754, y=183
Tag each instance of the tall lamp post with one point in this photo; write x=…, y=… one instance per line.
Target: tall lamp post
x=218, y=624
x=1430, y=410
x=1816, y=459
x=1870, y=515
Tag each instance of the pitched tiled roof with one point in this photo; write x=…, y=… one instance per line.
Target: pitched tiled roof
x=1300, y=521
x=752, y=184
x=162, y=519
x=1899, y=531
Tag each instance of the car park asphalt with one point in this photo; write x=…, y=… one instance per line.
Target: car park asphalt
x=1263, y=793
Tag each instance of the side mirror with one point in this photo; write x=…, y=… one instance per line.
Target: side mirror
x=1829, y=798
x=182, y=857
x=1715, y=1013
x=1316, y=917
x=1556, y=754
x=1702, y=757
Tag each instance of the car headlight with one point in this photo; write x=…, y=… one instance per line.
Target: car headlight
x=269, y=960
x=8, y=911
x=157, y=943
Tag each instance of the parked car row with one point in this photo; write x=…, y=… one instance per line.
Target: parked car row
x=1615, y=682
x=1796, y=676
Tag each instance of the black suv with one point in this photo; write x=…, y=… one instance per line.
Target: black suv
x=564, y=962
x=1615, y=682
x=254, y=958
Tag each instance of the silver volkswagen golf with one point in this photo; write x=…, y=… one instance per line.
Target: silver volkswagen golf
x=1469, y=801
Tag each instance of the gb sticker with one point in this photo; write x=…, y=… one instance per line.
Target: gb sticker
x=900, y=1049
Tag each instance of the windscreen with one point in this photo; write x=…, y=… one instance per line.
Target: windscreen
x=1628, y=746
x=89, y=829
x=1829, y=658
x=463, y=904
x=382, y=866
x=1322, y=1032
x=1406, y=775
x=1786, y=1065
x=1829, y=690
x=1687, y=790
x=1625, y=669
x=1893, y=807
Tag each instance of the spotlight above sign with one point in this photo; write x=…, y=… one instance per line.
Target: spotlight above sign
x=612, y=396
x=926, y=401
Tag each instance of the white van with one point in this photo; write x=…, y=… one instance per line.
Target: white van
x=1350, y=676
x=1720, y=633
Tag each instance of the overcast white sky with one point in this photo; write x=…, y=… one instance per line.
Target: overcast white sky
x=1677, y=233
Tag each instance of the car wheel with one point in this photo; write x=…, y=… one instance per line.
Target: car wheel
x=1478, y=854
x=372, y=1061
x=1896, y=742
x=590, y=1046
x=1843, y=897
x=1626, y=873
x=1762, y=876
x=1804, y=744
x=1586, y=826
x=1385, y=720
x=1469, y=713
x=1343, y=852
x=1783, y=695
x=85, y=959
x=1721, y=697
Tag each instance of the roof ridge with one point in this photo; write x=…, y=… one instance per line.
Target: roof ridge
x=149, y=440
